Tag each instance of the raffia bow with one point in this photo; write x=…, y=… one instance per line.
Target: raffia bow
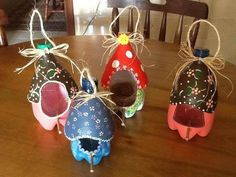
x=215, y=62
x=83, y=97
x=36, y=54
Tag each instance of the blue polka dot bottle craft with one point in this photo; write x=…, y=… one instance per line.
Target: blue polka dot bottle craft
x=52, y=87
x=193, y=97
x=90, y=126
x=124, y=73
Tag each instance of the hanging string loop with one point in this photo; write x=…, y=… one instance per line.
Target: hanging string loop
x=215, y=63
x=34, y=53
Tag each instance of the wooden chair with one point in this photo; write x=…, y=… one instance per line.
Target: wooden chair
x=57, y=6
x=197, y=10
x=3, y=22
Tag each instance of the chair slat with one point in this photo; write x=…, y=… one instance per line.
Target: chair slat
x=179, y=30
x=130, y=21
x=194, y=33
x=3, y=22
x=146, y=31
x=115, y=26
x=162, y=35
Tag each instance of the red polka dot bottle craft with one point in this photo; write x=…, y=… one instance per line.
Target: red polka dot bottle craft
x=52, y=87
x=124, y=74
x=193, y=97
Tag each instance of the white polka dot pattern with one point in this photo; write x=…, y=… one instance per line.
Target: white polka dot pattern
x=115, y=64
x=129, y=54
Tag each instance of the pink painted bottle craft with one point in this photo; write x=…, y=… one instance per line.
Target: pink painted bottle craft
x=52, y=87
x=193, y=97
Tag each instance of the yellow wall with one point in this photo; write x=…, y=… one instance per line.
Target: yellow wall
x=222, y=15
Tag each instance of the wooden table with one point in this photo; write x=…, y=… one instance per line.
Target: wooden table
x=145, y=148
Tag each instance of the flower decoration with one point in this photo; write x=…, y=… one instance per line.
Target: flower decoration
x=196, y=91
x=210, y=79
x=58, y=70
x=209, y=103
x=190, y=72
x=73, y=90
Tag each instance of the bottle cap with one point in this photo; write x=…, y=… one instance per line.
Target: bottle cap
x=87, y=86
x=44, y=46
x=201, y=53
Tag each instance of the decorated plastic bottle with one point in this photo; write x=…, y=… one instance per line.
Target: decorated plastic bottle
x=124, y=73
x=193, y=97
x=90, y=126
x=52, y=87
x=51, y=90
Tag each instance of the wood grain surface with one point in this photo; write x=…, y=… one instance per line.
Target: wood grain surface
x=145, y=148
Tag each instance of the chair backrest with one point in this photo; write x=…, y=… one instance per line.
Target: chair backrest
x=3, y=21
x=197, y=10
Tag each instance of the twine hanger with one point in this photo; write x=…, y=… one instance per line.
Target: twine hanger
x=214, y=63
x=82, y=97
x=111, y=40
x=34, y=53
x=127, y=7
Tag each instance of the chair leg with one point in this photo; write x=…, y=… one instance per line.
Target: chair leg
x=115, y=26
x=146, y=32
x=3, y=37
